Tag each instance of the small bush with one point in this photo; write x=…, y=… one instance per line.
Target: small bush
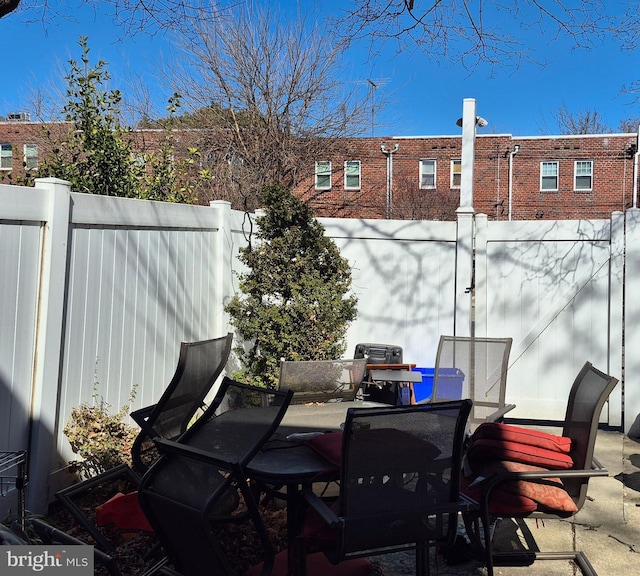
x=102, y=439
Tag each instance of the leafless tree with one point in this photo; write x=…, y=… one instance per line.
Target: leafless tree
x=134, y=16
x=410, y=202
x=273, y=88
x=473, y=32
x=629, y=125
x=466, y=31
x=582, y=122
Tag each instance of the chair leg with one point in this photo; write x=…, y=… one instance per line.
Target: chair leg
x=479, y=533
x=423, y=567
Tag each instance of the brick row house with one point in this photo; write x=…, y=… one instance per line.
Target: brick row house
x=519, y=178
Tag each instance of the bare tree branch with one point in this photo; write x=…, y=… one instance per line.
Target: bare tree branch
x=273, y=90
x=583, y=122
x=472, y=32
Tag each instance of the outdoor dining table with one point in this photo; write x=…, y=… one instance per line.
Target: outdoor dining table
x=288, y=461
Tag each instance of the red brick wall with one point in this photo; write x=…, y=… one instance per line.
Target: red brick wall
x=612, y=186
x=612, y=190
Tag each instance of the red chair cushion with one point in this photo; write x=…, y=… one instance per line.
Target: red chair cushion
x=316, y=531
x=329, y=446
x=318, y=565
x=550, y=495
x=123, y=511
x=502, y=502
x=484, y=450
x=509, y=433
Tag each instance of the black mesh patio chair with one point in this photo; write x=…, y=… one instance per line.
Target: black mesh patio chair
x=476, y=368
x=199, y=484
x=199, y=366
x=322, y=380
x=399, y=486
x=588, y=394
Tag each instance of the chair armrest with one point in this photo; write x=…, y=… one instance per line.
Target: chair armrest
x=320, y=506
x=141, y=415
x=172, y=447
x=533, y=476
x=498, y=415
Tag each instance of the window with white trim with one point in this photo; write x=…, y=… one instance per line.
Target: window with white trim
x=351, y=175
x=6, y=156
x=30, y=156
x=583, y=175
x=549, y=176
x=456, y=173
x=427, y=173
x=323, y=175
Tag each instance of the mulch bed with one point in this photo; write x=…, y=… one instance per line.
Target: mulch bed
x=135, y=552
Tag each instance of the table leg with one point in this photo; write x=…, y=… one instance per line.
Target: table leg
x=297, y=565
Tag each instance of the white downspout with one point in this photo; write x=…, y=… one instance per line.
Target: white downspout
x=389, y=154
x=515, y=150
x=635, y=170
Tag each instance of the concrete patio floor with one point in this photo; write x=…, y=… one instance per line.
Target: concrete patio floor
x=607, y=528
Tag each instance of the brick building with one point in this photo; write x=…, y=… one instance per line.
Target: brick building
x=522, y=178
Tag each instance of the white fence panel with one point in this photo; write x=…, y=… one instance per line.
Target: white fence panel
x=22, y=212
x=135, y=291
x=124, y=281
x=548, y=287
x=20, y=272
x=404, y=277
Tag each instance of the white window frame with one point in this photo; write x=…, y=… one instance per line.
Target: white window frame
x=579, y=173
x=323, y=170
x=456, y=162
x=431, y=162
x=6, y=156
x=357, y=174
x=546, y=177
x=30, y=156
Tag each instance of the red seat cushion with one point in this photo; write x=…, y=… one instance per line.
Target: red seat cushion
x=486, y=450
x=329, y=446
x=549, y=495
x=502, y=502
x=509, y=433
x=123, y=511
x=318, y=565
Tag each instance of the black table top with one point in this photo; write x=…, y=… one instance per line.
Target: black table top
x=281, y=460
x=285, y=461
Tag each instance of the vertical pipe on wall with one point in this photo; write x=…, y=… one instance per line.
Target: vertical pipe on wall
x=389, y=154
x=635, y=170
x=515, y=150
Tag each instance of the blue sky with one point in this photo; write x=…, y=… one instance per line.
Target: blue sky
x=424, y=98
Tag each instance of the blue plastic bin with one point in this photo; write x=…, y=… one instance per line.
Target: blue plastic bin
x=422, y=390
x=449, y=383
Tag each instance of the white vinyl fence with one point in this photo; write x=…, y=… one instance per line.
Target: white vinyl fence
x=96, y=294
